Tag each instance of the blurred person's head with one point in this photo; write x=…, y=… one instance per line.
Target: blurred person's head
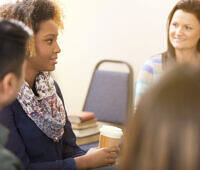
x=164, y=134
x=45, y=19
x=13, y=39
x=183, y=27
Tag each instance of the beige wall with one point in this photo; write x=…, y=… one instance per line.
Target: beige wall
x=130, y=30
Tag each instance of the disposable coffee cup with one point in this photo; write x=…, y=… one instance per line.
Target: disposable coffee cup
x=109, y=136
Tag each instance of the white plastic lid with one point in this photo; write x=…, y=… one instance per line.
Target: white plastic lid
x=111, y=131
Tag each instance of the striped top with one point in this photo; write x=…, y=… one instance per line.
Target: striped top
x=150, y=71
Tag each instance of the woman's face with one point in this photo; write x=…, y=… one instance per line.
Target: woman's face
x=46, y=47
x=184, y=30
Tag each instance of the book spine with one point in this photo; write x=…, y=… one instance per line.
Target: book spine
x=86, y=118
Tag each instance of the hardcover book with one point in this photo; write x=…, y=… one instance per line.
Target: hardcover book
x=87, y=139
x=86, y=132
x=84, y=125
x=80, y=117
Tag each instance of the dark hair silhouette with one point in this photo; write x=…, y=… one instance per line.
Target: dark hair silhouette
x=164, y=134
x=13, y=38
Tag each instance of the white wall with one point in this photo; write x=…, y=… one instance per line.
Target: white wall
x=130, y=30
x=6, y=1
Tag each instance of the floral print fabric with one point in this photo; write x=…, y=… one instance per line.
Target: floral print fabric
x=46, y=108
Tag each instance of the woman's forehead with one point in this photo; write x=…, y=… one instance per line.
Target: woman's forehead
x=184, y=17
x=48, y=28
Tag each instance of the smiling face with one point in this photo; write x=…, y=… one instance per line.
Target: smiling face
x=184, y=30
x=46, y=47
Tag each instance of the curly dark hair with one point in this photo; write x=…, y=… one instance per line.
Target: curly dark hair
x=33, y=13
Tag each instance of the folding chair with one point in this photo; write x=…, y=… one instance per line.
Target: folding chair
x=110, y=95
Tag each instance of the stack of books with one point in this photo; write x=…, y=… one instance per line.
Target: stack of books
x=85, y=127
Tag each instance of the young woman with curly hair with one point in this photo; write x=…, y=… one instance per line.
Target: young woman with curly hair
x=41, y=134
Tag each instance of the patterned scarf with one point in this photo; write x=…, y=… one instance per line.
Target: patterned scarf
x=46, y=109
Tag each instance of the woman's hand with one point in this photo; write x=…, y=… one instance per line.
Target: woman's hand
x=97, y=157
x=102, y=156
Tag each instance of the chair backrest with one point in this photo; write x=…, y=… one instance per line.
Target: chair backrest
x=110, y=93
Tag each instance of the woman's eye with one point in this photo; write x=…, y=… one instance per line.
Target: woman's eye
x=49, y=41
x=175, y=24
x=188, y=27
